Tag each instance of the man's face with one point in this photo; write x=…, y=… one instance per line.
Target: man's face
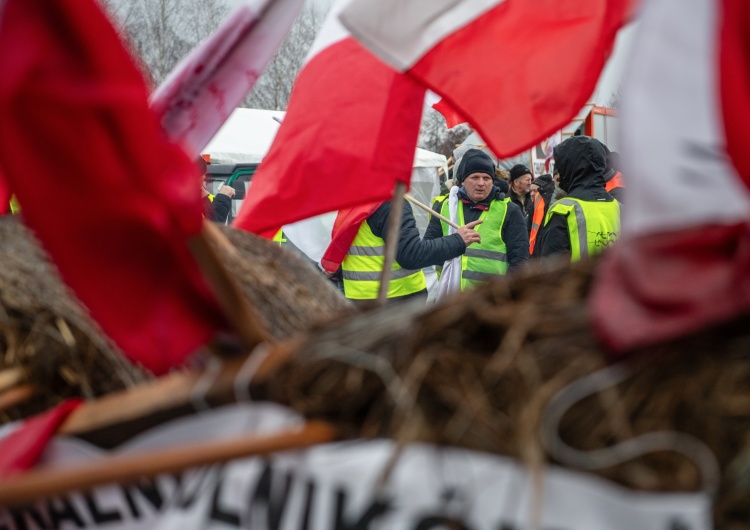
x=534, y=190
x=522, y=185
x=478, y=186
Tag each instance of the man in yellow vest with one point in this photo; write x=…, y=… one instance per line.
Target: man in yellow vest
x=364, y=260
x=588, y=220
x=504, y=239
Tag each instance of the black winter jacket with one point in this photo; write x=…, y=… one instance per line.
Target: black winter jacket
x=581, y=161
x=412, y=252
x=513, y=232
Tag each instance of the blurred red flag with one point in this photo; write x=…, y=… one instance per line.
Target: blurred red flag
x=111, y=200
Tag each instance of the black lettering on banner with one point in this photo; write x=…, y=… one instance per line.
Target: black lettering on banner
x=98, y=514
x=20, y=516
x=218, y=513
x=441, y=521
x=147, y=489
x=187, y=491
x=61, y=510
x=274, y=502
x=375, y=510
x=309, y=496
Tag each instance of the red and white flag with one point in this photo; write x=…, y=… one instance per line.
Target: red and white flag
x=112, y=201
x=452, y=117
x=348, y=136
x=478, y=55
x=684, y=259
x=206, y=86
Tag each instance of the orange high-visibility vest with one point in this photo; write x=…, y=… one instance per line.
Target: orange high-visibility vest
x=536, y=221
x=615, y=182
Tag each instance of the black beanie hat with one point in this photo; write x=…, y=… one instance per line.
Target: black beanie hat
x=475, y=161
x=519, y=170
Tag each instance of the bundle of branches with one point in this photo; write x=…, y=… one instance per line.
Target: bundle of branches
x=480, y=371
x=61, y=352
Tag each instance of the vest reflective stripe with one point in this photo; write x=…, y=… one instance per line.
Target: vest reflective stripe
x=435, y=201
x=375, y=276
x=279, y=238
x=592, y=225
x=482, y=262
x=362, y=265
x=536, y=221
x=366, y=251
x=614, y=182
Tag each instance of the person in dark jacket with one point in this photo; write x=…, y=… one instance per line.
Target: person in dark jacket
x=217, y=207
x=362, y=265
x=542, y=191
x=480, y=200
x=588, y=219
x=613, y=181
x=520, y=192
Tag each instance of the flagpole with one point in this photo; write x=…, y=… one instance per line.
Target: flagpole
x=431, y=211
x=391, y=241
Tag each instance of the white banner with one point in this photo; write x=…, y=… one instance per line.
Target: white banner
x=335, y=487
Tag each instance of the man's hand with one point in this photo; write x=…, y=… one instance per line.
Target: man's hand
x=227, y=190
x=468, y=234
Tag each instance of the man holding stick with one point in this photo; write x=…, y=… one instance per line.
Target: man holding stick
x=364, y=260
x=504, y=241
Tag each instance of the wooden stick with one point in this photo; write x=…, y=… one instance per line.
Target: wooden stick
x=431, y=211
x=10, y=377
x=15, y=396
x=237, y=309
x=391, y=241
x=123, y=469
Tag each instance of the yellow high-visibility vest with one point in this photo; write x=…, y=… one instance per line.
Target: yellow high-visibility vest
x=488, y=259
x=592, y=225
x=362, y=265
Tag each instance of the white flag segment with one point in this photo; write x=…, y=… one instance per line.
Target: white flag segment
x=402, y=32
x=209, y=83
x=673, y=144
x=684, y=261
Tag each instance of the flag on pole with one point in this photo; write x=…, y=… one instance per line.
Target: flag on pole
x=477, y=55
x=112, y=201
x=206, y=86
x=684, y=259
x=348, y=136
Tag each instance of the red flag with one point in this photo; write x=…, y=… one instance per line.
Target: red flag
x=111, y=200
x=22, y=448
x=452, y=117
x=684, y=262
x=345, y=229
x=479, y=56
x=348, y=135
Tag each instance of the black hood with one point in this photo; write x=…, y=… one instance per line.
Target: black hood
x=581, y=161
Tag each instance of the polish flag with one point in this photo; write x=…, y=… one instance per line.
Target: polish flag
x=348, y=136
x=479, y=56
x=684, y=259
x=112, y=201
x=206, y=86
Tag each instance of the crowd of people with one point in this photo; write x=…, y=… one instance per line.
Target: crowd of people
x=501, y=224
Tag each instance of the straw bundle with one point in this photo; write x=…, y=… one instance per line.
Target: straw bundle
x=45, y=331
x=480, y=371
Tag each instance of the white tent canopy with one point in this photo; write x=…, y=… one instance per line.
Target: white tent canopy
x=247, y=135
